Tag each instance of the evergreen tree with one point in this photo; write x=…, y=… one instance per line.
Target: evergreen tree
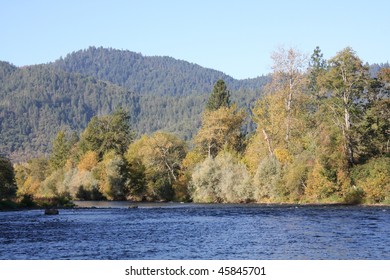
x=220, y=97
x=317, y=66
x=60, y=151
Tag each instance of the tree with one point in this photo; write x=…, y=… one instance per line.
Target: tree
x=220, y=97
x=137, y=169
x=110, y=132
x=60, y=152
x=373, y=130
x=220, y=128
x=317, y=67
x=280, y=115
x=374, y=179
x=165, y=152
x=7, y=179
x=113, y=176
x=346, y=81
x=157, y=162
x=30, y=175
x=288, y=80
x=269, y=114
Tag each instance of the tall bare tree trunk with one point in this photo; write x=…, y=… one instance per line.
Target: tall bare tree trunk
x=288, y=118
x=347, y=137
x=268, y=142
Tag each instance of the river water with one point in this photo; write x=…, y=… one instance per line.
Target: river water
x=196, y=231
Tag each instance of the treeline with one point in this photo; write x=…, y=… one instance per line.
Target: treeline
x=322, y=136
x=155, y=75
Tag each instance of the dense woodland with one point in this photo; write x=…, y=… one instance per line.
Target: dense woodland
x=321, y=134
x=160, y=93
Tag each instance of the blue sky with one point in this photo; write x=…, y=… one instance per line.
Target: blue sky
x=236, y=37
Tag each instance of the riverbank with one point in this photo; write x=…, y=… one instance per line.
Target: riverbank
x=132, y=204
x=8, y=205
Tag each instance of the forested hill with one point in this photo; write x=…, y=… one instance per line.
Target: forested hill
x=36, y=101
x=149, y=74
x=160, y=93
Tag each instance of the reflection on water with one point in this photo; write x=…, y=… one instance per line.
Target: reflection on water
x=195, y=231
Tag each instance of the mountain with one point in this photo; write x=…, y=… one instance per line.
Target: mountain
x=161, y=93
x=157, y=75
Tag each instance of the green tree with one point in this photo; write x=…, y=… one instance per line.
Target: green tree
x=317, y=67
x=60, y=151
x=374, y=126
x=373, y=178
x=137, y=169
x=220, y=97
x=110, y=132
x=7, y=179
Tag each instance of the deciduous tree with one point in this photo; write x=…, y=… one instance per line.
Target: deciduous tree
x=220, y=128
x=346, y=81
x=288, y=80
x=110, y=132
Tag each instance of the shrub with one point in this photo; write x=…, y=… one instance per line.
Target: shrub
x=319, y=187
x=354, y=196
x=222, y=179
x=374, y=178
x=267, y=180
x=27, y=201
x=205, y=180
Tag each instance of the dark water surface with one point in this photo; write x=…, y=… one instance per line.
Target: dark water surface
x=191, y=231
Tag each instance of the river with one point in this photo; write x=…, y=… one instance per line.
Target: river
x=197, y=231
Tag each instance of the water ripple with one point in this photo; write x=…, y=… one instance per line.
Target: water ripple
x=198, y=232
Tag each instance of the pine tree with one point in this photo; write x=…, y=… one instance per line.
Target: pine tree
x=60, y=151
x=220, y=97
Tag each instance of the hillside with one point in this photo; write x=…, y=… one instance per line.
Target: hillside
x=160, y=93
x=149, y=74
x=35, y=102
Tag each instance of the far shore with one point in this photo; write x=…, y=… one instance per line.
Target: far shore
x=104, y=204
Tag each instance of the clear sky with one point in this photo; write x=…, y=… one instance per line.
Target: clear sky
x=236, y=37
